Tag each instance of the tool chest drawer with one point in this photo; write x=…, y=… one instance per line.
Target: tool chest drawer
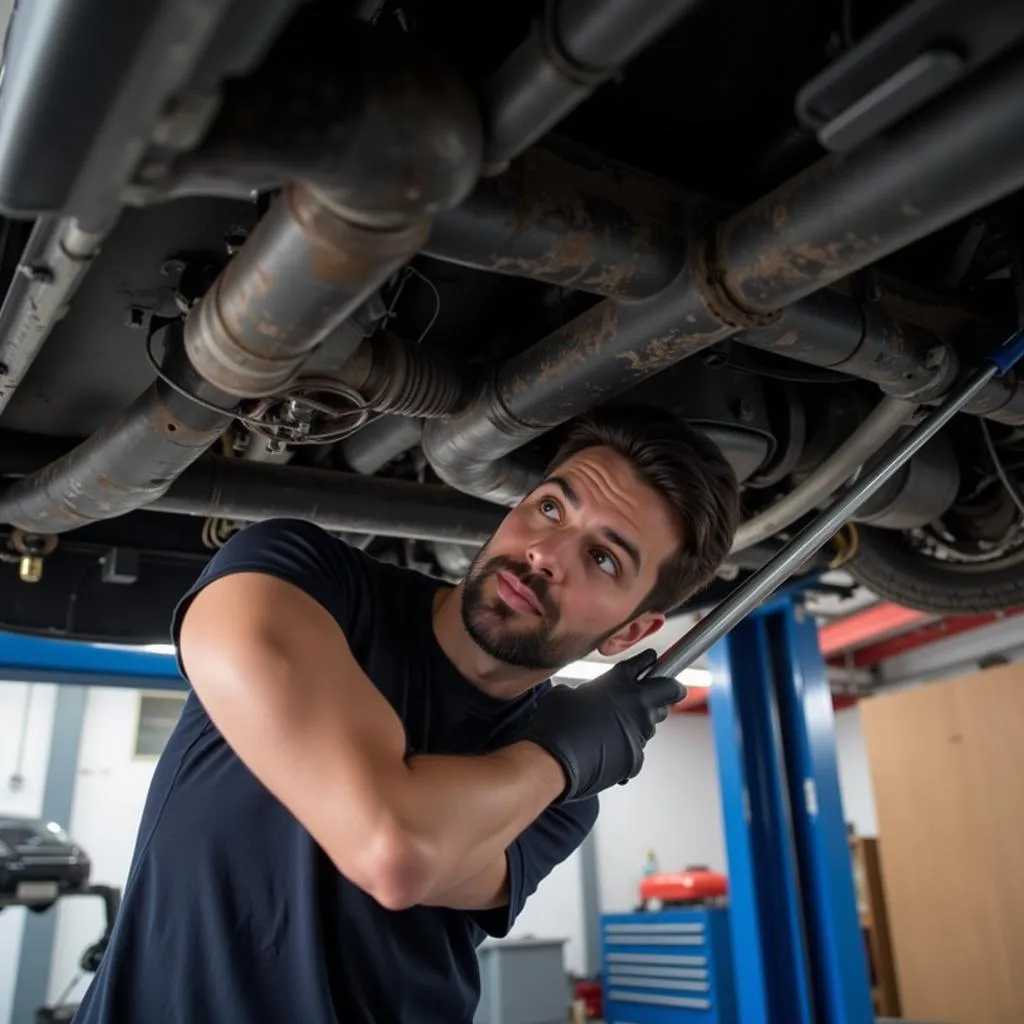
x=674, y=966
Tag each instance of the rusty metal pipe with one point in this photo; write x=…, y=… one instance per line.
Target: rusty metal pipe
x=836, y=332
x=575, y=45
x=251, y=491
x=851, y=209
x=303, y=272
x=56, y=258
x=604, y=352
x=572, y=219
x=374, y=123
x=906, y=361
x=120, y=468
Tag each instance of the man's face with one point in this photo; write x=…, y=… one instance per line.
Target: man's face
x=568, y=567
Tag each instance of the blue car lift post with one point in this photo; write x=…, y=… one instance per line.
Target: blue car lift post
x=796, y=941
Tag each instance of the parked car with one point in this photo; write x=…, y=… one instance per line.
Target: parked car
x=361, y=262
x=39, y=862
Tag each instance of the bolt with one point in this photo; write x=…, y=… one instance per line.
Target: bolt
x=274, y=447
x=135, y=317
x=935, y=357
x=745, y=410
x=30, y=569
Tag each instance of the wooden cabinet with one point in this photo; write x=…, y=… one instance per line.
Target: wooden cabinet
x=874, y=924
x=947, y=764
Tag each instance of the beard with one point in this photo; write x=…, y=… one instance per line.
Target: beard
x=514, y=638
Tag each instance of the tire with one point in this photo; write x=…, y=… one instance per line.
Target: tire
x=886, y=564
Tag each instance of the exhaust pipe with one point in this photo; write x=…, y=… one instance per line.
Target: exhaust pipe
x=346, y=502
x=943, y=163
x=570, y=218
x=310, y=263
x=575, y=45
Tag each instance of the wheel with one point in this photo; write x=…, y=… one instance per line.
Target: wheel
x=922, y=570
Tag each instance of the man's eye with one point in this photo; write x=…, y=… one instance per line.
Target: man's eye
x=605, y=562
x=548, y=508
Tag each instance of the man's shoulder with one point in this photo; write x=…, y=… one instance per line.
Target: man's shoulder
x=348, y=582
x=289, y=541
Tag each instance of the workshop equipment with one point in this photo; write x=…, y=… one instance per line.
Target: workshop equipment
x=61, y=1011
x=691, y=885
x=523, y=981
x=674, y=966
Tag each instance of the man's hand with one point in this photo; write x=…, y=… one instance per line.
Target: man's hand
x=597, y=731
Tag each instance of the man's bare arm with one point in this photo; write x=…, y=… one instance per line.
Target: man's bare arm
x=486, y=890
x=276, y=675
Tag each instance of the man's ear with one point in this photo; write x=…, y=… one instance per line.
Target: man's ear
x=632, y=633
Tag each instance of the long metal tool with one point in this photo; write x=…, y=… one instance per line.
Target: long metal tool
x=748, y=595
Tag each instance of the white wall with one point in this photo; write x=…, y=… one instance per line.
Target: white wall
x=672, y=807
x=110, y=792
x=855, y=773
x=31, y=706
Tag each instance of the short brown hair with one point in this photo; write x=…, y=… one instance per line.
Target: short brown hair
x=689, y=470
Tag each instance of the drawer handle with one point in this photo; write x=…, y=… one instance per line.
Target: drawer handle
x=638, y=929
x=654, y=940
x=675, y=986
x=649, y=998
x=674, y=959
x=639, y=971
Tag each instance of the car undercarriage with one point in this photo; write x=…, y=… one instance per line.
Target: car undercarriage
x=361, y=262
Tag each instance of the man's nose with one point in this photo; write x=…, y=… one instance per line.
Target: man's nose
x=548, y=557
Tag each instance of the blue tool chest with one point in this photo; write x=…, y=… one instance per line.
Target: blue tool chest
x=669, y=967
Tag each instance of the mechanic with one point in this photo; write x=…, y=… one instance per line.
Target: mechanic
x=372, y=773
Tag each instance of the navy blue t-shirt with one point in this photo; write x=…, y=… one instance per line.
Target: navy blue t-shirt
x=232, y=914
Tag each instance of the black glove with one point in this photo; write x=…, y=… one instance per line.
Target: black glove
x=597, y=731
